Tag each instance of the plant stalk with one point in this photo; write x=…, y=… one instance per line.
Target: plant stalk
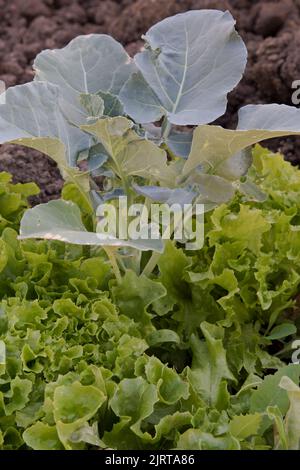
x=150, y=266
x=113, y=260
x=167, y=129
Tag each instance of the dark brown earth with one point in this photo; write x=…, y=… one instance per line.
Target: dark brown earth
x=271, y=30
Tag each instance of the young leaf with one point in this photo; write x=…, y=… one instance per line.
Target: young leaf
x=135, y=294
x=184, y=57
x=88, y=64
x=270, y=394
x=61, y=220
x=209, y=366
x=101, y=104
x=2, y=357
x=41, y=436
x=163, y=336
x=244, y=426
x=19, y=393
x=166, y=195
x=130, y=154
x=280, y=437
x=95, y=157
x=93, y=104
x=251, y=190
x=211, y=189
x=196, y=439
x=180, y=143
x=76, y=403
x=283, y=330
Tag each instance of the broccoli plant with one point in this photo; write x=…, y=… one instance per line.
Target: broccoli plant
x=103, y=116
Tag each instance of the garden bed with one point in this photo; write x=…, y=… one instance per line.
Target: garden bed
x=271, y=30
x=131, y=353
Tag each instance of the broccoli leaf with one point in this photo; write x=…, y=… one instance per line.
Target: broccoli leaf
x=184, y=57
x=222, y=151
x=88, y=64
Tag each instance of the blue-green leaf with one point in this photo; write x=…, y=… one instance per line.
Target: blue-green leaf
x=190, y=62
x=88, y=64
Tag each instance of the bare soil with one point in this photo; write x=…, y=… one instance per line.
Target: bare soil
x=270, y=29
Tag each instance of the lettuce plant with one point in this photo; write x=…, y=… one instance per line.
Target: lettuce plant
x=99, y=113
x=181, y=361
